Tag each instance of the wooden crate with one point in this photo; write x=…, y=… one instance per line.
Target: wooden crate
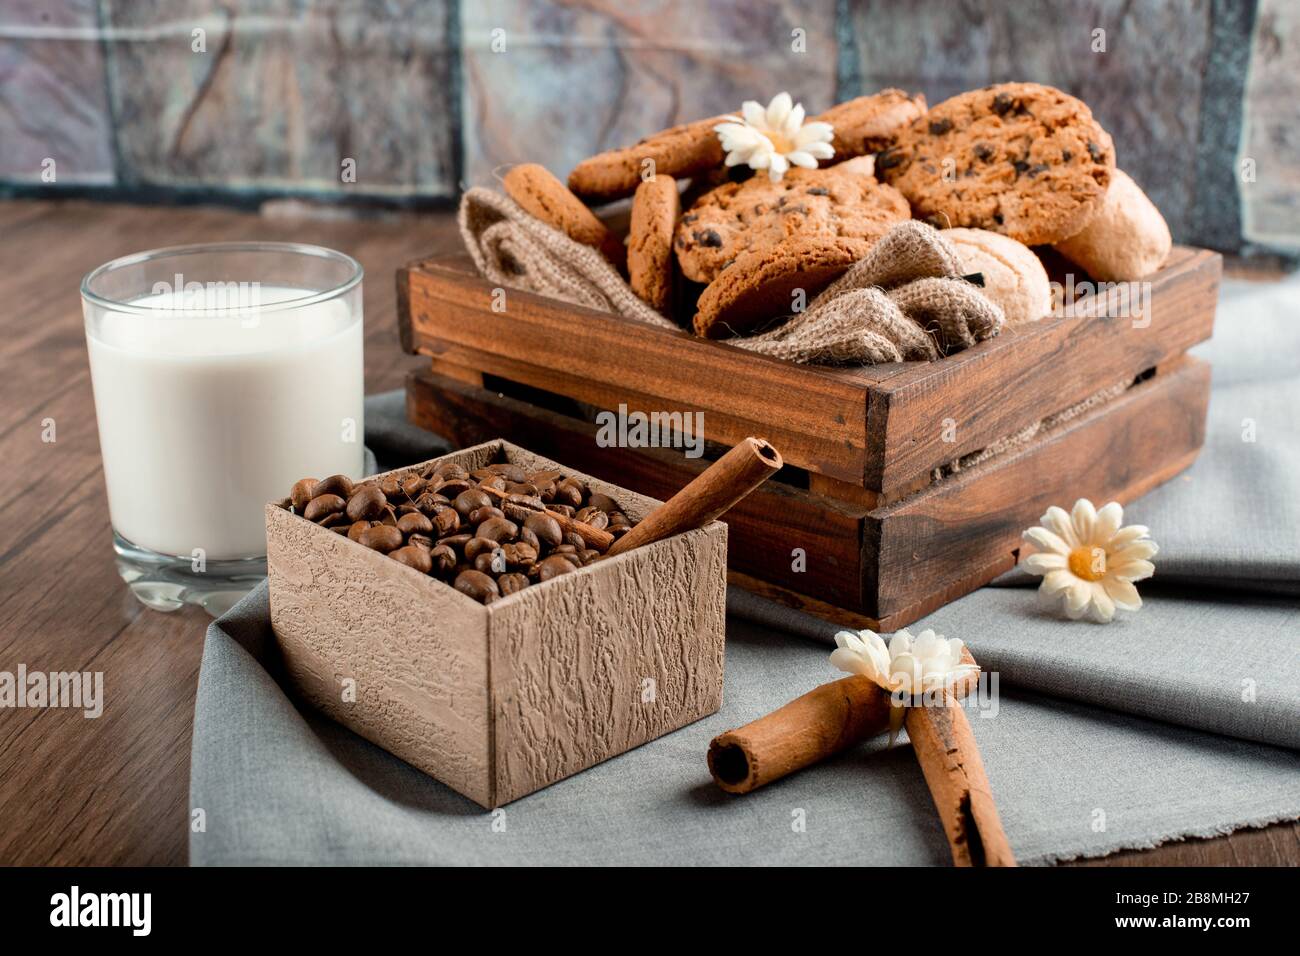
x=884, y=542
x=498, y=701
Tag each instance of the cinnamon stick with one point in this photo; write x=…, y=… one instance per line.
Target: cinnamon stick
x=809, y=729
x=945, y=748
x=711, y=493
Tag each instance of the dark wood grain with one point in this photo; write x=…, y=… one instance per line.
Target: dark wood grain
x=921, y=547
x=115, y=790
x=112, y=790
x=609, y=360
x=764, y=528
x=999, y=386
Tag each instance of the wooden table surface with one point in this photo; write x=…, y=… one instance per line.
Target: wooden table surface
x=114, y=790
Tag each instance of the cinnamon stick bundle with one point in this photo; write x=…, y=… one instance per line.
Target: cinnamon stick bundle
x=809, y=729
x=945, y=748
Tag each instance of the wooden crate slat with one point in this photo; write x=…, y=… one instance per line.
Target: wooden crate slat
x=973, y=520
x=764, y=528
x=1000, y=386
x=818, y=420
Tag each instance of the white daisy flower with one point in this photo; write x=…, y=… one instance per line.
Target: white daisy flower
x=1088, y=562
x=907, y=667
x=774, y=138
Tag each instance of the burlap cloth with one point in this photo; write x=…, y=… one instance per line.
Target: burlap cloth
x=904, y=301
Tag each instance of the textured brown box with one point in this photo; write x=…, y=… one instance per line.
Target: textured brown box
x=502, y=700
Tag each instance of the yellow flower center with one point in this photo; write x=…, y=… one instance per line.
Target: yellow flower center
x=779, y=142
x=1088, y=563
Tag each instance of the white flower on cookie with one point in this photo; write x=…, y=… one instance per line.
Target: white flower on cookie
x=774, y=138
x=1088, y=562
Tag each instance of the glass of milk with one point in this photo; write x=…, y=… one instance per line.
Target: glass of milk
x=222, y=373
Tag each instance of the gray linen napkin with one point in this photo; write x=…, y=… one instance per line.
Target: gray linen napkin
x=1213, y=650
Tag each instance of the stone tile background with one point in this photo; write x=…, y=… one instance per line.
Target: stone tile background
x=421, y=96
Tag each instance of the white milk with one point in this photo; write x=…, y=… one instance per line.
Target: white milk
x=203, y=417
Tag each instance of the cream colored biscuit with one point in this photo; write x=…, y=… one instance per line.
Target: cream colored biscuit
x=1127, y=239
x=1014, y=278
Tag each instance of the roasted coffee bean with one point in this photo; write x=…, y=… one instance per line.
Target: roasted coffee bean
x=562, y=509
x=301, y=493
x=341, y=528
x=498, y=529
x=508, y=471
x=565, y=548
x=546, y=492
x=592, y=517
x=512, y=582
x=619, y=530
x=479, y=515
x=450, y=470
x=453, y=487
x=493, y=481
x=413, y=486
x=578, y=541
x=544, y=475
x=389, y=517
x=526, y=536
x=430, y=500
x=414, y=523
x=406, y=509
x=445, y=519
x=619, y=520
x=321, y=506
x=381, y=537
x=470, y=501
x=334, y=520
x=588, y=556
x=553, y=567
x=568, y=493
x=521, y=488
x=604, y=502
x=519, y=555
x=546, y=528
x=456, y=541
x=477, y=585
x=573, y=557
x=443, y=558
x=491, y=562
x=366, y=504
x=420, y=541
x=476, y=546
x=357, y=529
x=413, y=557
x=391, y=486
x=340, y=485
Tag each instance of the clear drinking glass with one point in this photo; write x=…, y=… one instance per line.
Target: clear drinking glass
x=222, y=373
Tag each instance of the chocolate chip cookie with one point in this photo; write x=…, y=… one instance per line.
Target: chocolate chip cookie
x=762, y=283
x=545, y=198
x=650, y=240
x=685, y=150
x=868, y=124
x=758, y=214
x=1021, y=159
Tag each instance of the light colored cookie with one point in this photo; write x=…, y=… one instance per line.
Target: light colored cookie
x=686, y=150
x=1021, y=159
x=761, y=284
x=1014, y=277
x=868, y=124
x=1127, y=239
x=650, y=240
x=757, y=214
x=546, y=198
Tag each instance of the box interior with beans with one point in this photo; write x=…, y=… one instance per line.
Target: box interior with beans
x=435, y=624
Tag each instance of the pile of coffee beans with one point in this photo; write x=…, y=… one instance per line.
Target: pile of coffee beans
x=486, y=532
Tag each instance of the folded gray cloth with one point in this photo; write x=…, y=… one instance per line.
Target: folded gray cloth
x=1117, y=755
